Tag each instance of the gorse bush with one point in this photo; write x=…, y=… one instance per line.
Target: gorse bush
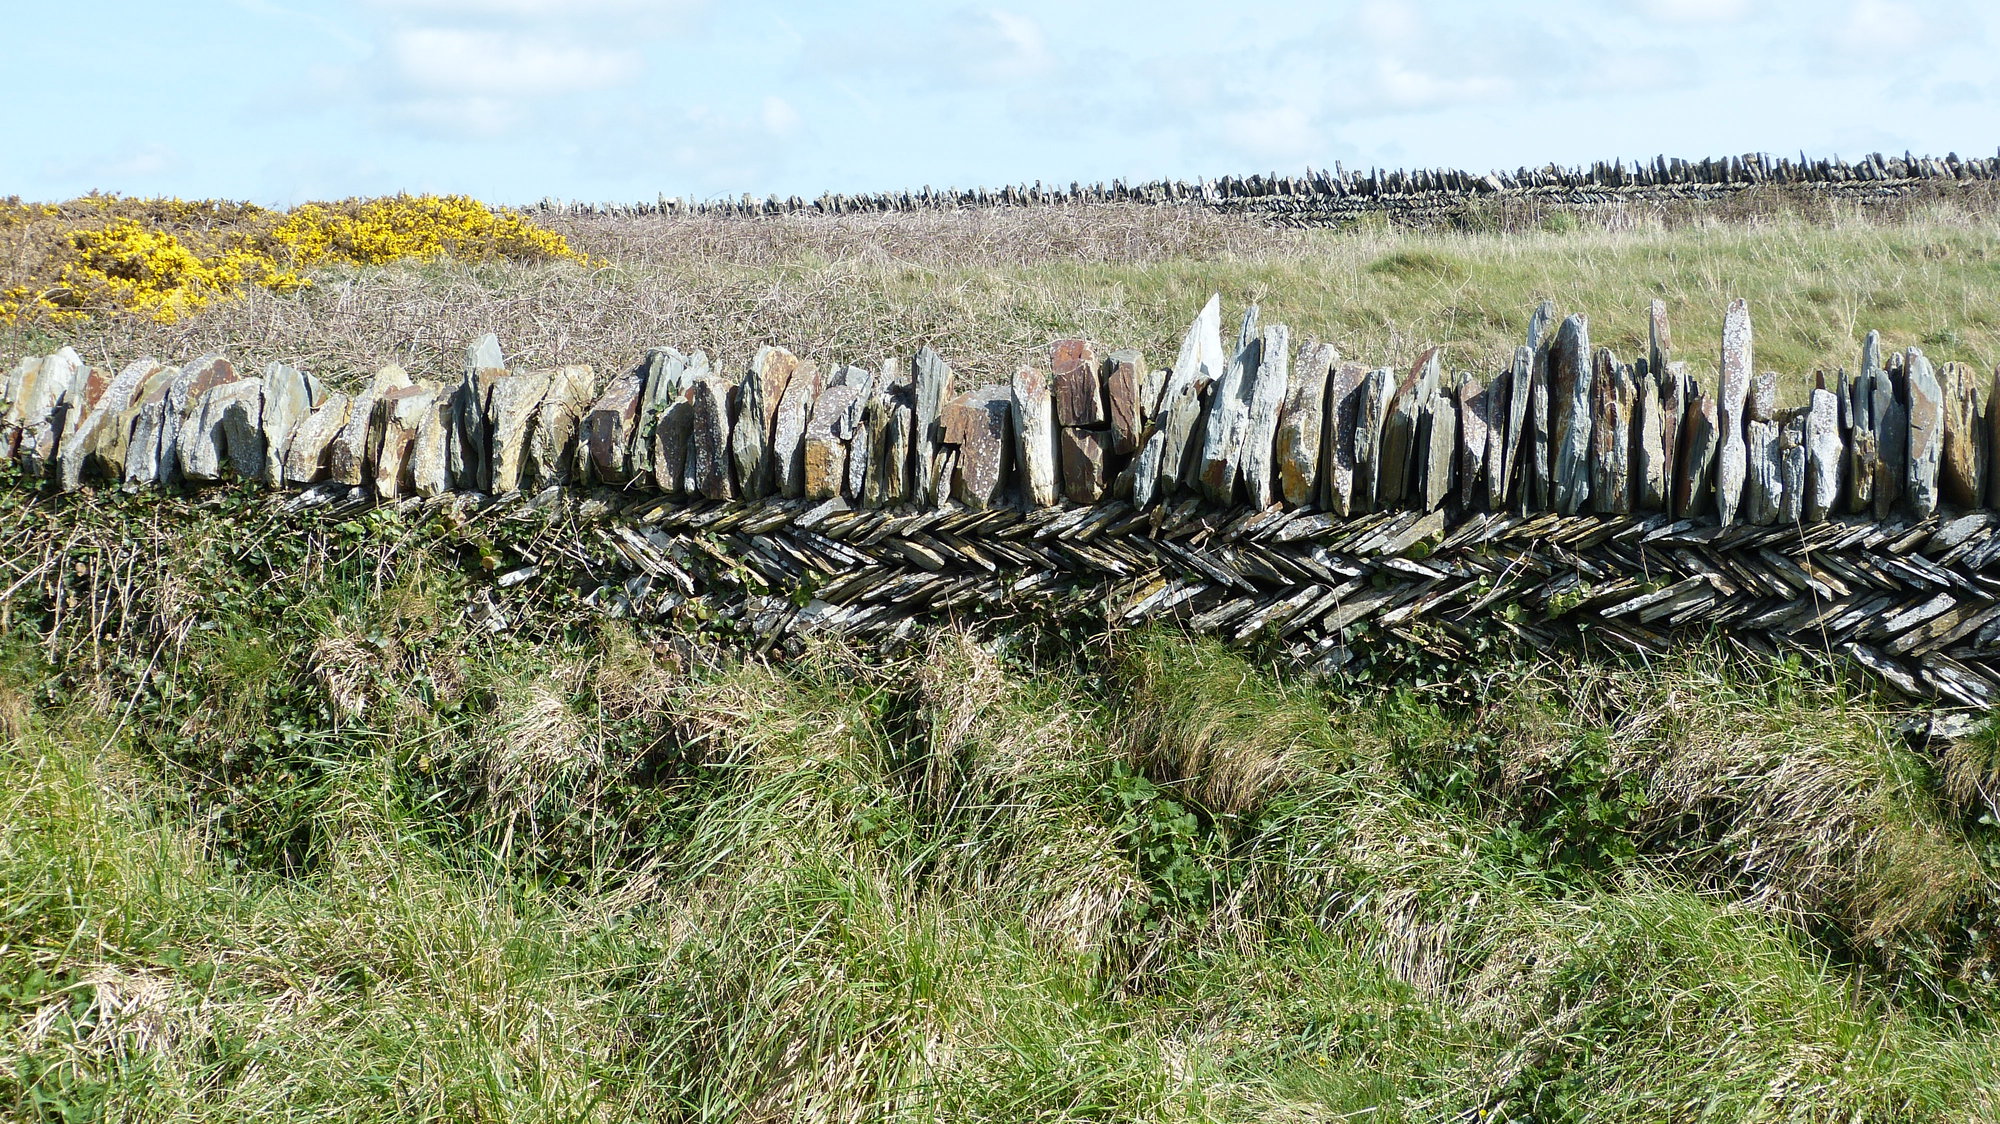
x=164, y=259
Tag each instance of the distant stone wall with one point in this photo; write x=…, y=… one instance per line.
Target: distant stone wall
x=1258, y=487
x=1326, y=197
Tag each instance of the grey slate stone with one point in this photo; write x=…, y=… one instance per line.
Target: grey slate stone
x=1474, y=435
x=1437, y=439
x=308, y=459
x=84, y=431
x=1892, y=429
x=749, y=445
x=826, y=438
x=1694, y=467
x=708, y=443
x=1338, y=474
x=1792, y=465
x=1034, y=427
x=1301, y=426
x=1825, y=457
x=933, y=389
x=1926, y=447
x=1962, y=467
x=1732, y=402
x=607, y=429
x=1570, y=391
x=552, y=456
x=1763, y=477
x=1269, y=386
x=511, y=405
x=1183, y=397
x=1371, y=417
x=1083, y=454
x=1611, y=436
x=1649, y=468
x=977, y=423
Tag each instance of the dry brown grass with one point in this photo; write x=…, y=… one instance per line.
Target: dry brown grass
x=991, y=288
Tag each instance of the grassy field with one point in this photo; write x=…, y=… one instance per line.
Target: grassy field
x=990, y=289
x=281, y=837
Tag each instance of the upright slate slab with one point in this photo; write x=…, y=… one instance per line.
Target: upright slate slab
x=794, y=417
x=1078, y=385
x=1962, y=468
x=1270, y=385
x=110, y=448
x=826, y=439
x=1474, y=434
x=511, y=404
x=1926, y=441
x=1536, y=488
x=1196, y=368
x=308, y=459
x=1732, y=402
x=1825, y=456
x=1338, y=471
x=607, y=428
x=977, y=425
x=1126, y=410
x=289, y=397
x=1694, y=466
x=1763, y=484
x=1793, y=465
x=402, y=412
x=933, y=389
x=1034, y=421
x=1437, y=449
x=1222, y=441
x=1892, y=427
x=1611, y=436
x=749, y=441
x=552, y=456
x=1378, y=390
x=1659, y=341
x=82, y=432
x=708, y=443
x=1302, y=426
x=1649, y=455
x=471, y=460
x=1570, y=386
x=1083, y=453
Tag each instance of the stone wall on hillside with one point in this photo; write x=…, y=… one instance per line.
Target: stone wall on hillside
x=1340, y=195
x=1257, y=485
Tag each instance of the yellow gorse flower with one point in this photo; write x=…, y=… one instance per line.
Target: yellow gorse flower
x=165, y=258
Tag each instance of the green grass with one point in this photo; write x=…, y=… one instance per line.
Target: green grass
x=284, y=842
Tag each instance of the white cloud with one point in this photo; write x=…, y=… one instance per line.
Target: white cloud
x=503, y=63
x=779, y=118
x=1000, y=46
x=1696, y=11
x=1880, y=25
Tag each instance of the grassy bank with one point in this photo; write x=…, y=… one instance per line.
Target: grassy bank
x=280, y=837
x=991, y=288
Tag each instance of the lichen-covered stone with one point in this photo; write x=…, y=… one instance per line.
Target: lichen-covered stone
x=933, y=389
x=1378, y=391
x=308, y=460
x=1474, y=433
x=708, y=444
x=978, y=425
x=1732, y=402
x=1338, y=469
x=1571, y=377
x=83, y=432
x=1926, y=447
x=1649, y=468
x=553, y=437
x=1825, y=457
x=1962, y=466
x=1034, y=426
x=401, y=413
x=826, y=437
x=1301, y=425
x=794, y=416
x=1183, y=398
x=511, y=404
x=1268, y=387
x=1078, y=387
x=1611, y=437
x=1694, y=466
x=607, y=428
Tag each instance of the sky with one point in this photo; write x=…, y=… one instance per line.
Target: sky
x=282, y=101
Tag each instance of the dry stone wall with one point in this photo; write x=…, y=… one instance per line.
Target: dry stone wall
x=1258, y=485
x=1341, y=195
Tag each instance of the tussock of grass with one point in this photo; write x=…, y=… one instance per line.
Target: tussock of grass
x=591, y=869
